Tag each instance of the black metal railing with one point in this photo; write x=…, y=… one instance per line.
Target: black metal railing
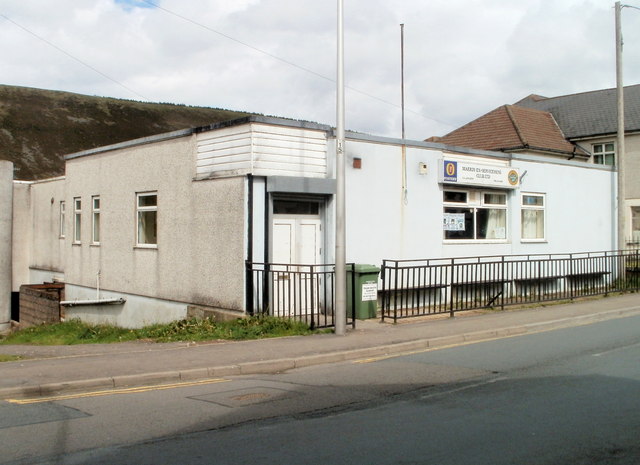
x=433, y=286
x=301, y=292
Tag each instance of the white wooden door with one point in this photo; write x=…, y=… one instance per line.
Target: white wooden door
x=297, y=243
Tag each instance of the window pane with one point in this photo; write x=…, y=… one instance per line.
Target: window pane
x=467, y=232
x=608, y=148
x=597, y=148
x=62, y=220
x=635, y=224
x=147, y=227
x=77, y=228
x=532, y=224
x=491, y=224
x=495, y=199
x=295, y=207
x=458, y=197
x=533, y=200
x=609, y=159
x=150, y=200
x=96, y=227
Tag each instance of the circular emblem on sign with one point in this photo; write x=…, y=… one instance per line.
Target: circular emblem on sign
x=450, y=169
x=513, y=177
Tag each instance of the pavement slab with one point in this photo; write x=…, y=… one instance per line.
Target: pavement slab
x=48, y=370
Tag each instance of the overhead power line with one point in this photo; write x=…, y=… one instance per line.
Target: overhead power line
x=61, y=50
x=287, y=62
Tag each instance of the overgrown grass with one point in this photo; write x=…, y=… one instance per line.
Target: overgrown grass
x=76, y=332
x=9, y=358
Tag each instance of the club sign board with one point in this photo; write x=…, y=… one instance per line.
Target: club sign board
x=475, y=174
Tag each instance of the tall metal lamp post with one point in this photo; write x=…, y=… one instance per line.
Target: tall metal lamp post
x=340, y=241
x=620, y=155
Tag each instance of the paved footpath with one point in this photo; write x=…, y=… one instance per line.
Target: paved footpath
x=56, y=370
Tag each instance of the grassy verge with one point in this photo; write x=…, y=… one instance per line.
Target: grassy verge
x=9, y=358
x=76, y=332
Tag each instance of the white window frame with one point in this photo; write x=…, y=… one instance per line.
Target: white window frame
x=475, y=201
x=95, y=220
x=600, y=153
x=77, y=220
x=143, y=210
x=526, y=207
x=62, y=219
x=635, y=221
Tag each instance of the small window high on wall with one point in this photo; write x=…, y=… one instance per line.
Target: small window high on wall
x=604, y=154
x=475, y=215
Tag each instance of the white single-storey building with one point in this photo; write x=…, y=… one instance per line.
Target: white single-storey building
x=157, y=225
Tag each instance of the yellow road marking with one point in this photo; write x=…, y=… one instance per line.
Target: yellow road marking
x=109, y=392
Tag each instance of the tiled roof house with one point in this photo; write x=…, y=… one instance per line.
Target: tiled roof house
x=579, y=126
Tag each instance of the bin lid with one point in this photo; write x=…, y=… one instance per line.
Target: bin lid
x=360, y=268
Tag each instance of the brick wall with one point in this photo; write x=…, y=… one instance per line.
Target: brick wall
x=40, y=303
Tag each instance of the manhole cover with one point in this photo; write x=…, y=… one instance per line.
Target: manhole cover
x=248, y=396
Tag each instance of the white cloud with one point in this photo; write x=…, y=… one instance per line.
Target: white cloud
x=462, y=59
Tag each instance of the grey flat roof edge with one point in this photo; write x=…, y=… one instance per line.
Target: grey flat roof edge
x=424, y=144
x=319, y=127
x=131, y=143
x=265, y=120
x=200, y=129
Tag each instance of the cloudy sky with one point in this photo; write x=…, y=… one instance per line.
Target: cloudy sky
x=463, y=58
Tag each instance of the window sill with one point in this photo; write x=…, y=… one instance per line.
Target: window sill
x=76, y=243
x=95, y=244
x=146, y=247
x=534, y=241
x=474, y=241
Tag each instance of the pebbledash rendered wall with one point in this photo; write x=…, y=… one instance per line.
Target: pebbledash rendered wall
x=199, y=258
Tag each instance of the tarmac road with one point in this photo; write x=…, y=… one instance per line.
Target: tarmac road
x=568, y=396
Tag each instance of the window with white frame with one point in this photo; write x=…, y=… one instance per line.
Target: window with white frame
x=604, y=154
x=77, y=219
x=474, y=215
x=95, y=220
x=532, y=217
x=635, y=225
x=62, y=216
x=147, y=222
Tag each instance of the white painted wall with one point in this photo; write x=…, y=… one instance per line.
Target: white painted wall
x=380, y=225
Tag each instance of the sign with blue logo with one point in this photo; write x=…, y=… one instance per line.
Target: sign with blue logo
x=450, y=171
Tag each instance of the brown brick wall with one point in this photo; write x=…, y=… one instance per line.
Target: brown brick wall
x=40, y=303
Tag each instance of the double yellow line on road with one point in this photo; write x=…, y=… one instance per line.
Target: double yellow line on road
x=110, y=392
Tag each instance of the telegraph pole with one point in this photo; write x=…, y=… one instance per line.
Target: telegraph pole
x=620, y=152
x=341, y=256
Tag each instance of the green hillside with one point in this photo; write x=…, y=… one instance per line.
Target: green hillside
x=38, y=127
